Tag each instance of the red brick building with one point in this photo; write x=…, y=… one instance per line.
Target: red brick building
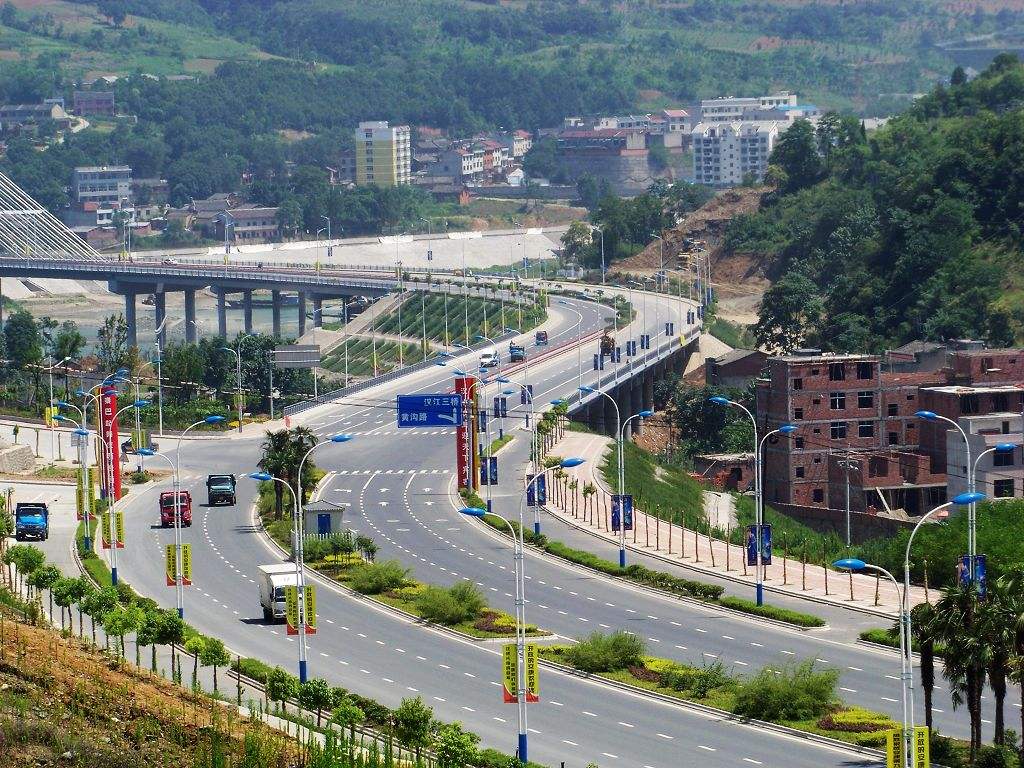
x=847, y=410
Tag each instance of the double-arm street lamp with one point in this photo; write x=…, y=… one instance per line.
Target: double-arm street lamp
x=298, y=503
x=238, y=375
x=785, y=429
x=906, y=660
x=520, y=595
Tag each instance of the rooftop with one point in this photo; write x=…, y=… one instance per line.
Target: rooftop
x=992, y=389
x=824, y=357
x=735, y=355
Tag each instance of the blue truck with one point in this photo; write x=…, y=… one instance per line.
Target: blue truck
x=31, y=521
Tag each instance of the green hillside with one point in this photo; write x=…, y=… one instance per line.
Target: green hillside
x=911, y=232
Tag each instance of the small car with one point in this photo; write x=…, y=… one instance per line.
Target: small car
x=488, y=359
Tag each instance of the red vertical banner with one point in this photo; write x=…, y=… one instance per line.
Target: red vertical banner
x=111, y=446
x=464, y=433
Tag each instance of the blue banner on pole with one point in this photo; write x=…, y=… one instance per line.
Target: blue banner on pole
x=440, y=410
x=622, y=511
x=481, y=425
x=979, y=576
x=493, y=462
x=536, y=492
x=766, y=545
x=526, y=395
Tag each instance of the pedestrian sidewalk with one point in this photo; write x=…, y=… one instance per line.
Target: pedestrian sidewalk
x=703, y=553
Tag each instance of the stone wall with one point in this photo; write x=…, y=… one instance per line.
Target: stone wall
x=16, y=458
x=826, y=520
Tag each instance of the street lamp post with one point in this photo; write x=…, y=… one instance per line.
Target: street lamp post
x=906, y=659
x=971, y=531
x=785, y=429
x=520, y=599
x=853, y=564
x=82, y=434
x=111, y=529
x=238, y=374
x=297, y=545
x=49, y=402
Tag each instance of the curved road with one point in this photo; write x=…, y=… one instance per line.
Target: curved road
x=398, y=490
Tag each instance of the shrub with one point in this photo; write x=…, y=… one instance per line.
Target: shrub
x=468, y=594
x=607, y=653
x=772, y=612
x=789, y=693
x=437, y=604
x=856, y=721
x=995, y=756
x=374, y=578
x=697, y=681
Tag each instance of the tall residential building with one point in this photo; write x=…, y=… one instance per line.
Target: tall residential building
x=102, y=184
x=383, y=154
x=724, y=154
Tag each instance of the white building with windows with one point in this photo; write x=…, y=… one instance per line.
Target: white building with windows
x=725, y=154
x=730, y=108
x=102, y=184
x=1000, y=475
x=383, y=154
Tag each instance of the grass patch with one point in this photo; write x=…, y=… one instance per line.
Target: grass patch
x=499, y=443
x=361, y=356
x=771, y=612
x=735, y=335
x=665, y=492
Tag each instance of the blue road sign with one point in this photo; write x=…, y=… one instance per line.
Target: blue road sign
x=439, y=410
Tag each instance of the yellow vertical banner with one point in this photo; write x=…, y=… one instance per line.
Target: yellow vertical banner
x=186, y=564
x=119, y=529
x=291, y=609
x=894, y=749
x=309, y=608
x=510, y=673
x=105, y=529
x=922, y=747
x=170, y=565
x=532, y=673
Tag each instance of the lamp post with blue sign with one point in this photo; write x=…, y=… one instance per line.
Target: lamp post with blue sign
x=520, y=595
x=909, y=756
x=785, y=429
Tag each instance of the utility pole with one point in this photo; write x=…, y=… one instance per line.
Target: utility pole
x=847, y=465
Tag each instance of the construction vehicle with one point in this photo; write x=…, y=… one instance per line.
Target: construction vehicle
x=516, y=353
x=607, y=345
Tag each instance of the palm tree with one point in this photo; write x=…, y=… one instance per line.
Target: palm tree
x=1010, y=590
x=274, y=461
x=999, y=633
x=922, y=631
x=965, y=661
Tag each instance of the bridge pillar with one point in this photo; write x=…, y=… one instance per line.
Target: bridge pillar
x=595, y=415
x=636, y=401
x=161, y=313
x=191, y=328
x=130, y=320
x=302, y=313
x=318, y=312
x=275, y=310
x=222, y=314
x=609, y=416
x=247, y=309
x=648, y=391
x=623, y=400
x=679, y=362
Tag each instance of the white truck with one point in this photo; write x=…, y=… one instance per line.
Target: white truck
x=273, y=579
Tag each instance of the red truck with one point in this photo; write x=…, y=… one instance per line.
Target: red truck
x=167, y=508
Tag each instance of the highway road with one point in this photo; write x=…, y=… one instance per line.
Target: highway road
x=375, y=652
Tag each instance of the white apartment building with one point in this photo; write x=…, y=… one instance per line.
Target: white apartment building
x=730, y=108
x=383, y=154
x=724, y=153
x=999, y=475
x=102, y=184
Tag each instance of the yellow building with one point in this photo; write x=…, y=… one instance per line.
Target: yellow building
x=383, y=154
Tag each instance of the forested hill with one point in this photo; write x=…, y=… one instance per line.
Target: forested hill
x=911, y=232
x=474, y=63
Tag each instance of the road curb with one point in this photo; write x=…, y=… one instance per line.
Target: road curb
x=720, y=713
